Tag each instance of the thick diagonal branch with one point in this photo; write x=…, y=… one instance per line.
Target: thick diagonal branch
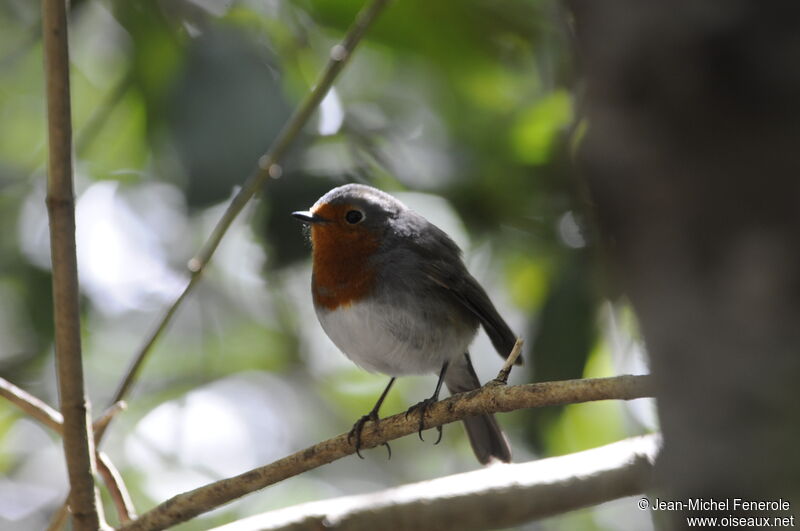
x=490, y=498
x=488, y=399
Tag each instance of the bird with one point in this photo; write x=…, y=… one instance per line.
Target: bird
x=391, y=291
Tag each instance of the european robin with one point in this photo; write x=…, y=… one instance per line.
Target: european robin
x=391, y=291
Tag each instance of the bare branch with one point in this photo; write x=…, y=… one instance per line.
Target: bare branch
x=51, y=418
x=31, y=405
x=502, y=376
x=102, y=421
x=488, y=399
x=499, y=496
x=78, y=441
x=41, y=411
x=116, y=488
x=133, y=369
x=59, y=518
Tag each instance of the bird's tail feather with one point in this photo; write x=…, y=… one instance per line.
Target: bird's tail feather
x=487, y=439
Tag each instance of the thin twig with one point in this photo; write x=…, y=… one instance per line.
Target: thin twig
x=487, y=399
x=41, y=411
x=59, y=518
x=136, y=365
x=51, y=418
x=31, y=405
x=502, y=376
x=78, y=440
x=102, y=421
x=471, y=501
x=116, y=488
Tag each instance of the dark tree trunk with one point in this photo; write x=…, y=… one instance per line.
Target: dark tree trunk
x=692, y=158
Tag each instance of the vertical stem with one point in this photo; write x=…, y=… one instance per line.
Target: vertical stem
x=78, y=445
x=268, y=167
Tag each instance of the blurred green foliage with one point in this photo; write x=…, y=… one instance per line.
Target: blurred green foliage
x=173, y=103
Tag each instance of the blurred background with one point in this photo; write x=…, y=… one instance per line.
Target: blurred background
x=468, y=112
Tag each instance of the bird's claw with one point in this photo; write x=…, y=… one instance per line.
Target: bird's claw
x=358, y=427
x=423, y=408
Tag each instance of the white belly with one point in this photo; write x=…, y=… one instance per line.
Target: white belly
x=389, y=340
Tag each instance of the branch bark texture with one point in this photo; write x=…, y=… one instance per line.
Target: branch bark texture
x=78, y=443
x=488, y=399
x=499, y=496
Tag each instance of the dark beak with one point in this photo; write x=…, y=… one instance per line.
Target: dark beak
x=308, y=217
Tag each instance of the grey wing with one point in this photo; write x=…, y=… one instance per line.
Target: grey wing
x=443, y=265
x=471, y=295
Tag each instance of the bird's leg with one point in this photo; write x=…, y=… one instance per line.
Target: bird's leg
x=373, y=416
x=425, y=404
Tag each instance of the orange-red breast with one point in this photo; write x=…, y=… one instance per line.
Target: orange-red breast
x=391, y=291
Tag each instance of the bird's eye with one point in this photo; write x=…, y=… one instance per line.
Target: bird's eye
x=353, y=216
